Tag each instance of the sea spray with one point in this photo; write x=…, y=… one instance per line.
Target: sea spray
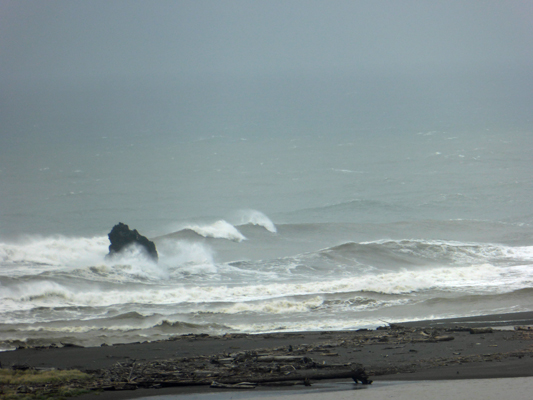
x=187, y=257
x=47, y=252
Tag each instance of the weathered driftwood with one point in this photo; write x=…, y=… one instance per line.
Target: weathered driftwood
x=523, y=328
x=480, y=330
x=285, y=359
x=433, y=339
x=249, y=367
x=241, y=385
x=286, y=365
x=443, y=338
x=358, y=375
x=458, y=329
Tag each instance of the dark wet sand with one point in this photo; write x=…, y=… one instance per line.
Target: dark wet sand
x=503, y=353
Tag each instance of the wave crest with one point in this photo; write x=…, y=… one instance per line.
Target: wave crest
x=411, y=252
x=254, y=217
x=218, y=230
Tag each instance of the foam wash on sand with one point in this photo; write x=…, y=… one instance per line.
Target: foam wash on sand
x=277, y=235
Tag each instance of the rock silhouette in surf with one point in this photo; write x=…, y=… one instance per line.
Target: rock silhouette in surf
x=121, y=236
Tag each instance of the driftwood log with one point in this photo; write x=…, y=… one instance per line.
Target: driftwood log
x=480, y=330
x=358, y=375
x=243, y=370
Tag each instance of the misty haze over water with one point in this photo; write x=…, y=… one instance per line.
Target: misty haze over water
x=183, y=70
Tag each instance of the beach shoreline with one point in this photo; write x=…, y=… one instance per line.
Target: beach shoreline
x=412, y=351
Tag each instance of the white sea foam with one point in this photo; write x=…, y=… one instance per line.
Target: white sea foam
x=294, y=305
x=481, y=279
x=460, y=253
x=188, y=284
x=44, y=253
x=322, y=324
x=132, y=263
x=85, y=258
x=277, y=306
x=77, y=257
x=28, y=295
x=188, y=257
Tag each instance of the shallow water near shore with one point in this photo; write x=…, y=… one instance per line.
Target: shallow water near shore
x=265, y=235
x=328, y=389
x=477, y=389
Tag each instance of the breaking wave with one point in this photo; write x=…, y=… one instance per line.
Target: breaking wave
x=413, y=252
x=54, y=287
x=218, y=230
x=254, y=217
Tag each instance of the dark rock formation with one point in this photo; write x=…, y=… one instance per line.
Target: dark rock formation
x=122, y=236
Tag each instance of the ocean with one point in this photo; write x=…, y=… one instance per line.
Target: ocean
x=260, y=228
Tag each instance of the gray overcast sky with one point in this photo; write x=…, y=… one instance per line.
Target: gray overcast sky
x=68, y=39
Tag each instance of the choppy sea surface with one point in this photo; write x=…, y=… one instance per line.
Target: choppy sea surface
x=262, y=234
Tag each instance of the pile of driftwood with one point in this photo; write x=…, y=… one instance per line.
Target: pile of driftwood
x=243, y=370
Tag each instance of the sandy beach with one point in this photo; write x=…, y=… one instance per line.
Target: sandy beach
x=417, y=351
